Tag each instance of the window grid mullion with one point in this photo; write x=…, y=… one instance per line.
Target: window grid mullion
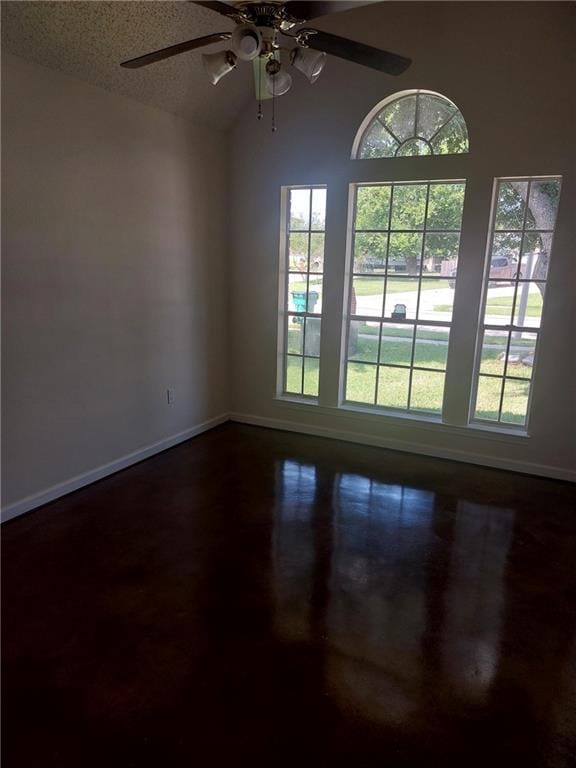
x=516, y=327
x=286, y=305
x=444, y=124
x=418, y=297
x=411, y=231
x=524, y=218
x=384, y=294
x=388, y=130
x=305, y=277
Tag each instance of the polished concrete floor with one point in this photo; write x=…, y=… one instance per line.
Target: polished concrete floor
x=288, y=600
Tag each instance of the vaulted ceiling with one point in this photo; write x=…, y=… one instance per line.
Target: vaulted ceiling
x=88, y=40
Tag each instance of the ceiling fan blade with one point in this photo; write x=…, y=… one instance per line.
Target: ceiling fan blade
x=174, y=50
x=223, y=8
x=384, y=61
x=304, y=10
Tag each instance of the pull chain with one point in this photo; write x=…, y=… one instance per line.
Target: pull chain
x=273, y=108
x=259, y=89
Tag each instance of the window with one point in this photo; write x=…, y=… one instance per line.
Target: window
x=305, y=216
x=387, y=350
x=523, y=219
x=412, y=123
x=403, y=269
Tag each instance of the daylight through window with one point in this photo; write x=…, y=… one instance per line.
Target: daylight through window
x=403, y=270
x=413, y=123
x=304, y=249
x=523, y=219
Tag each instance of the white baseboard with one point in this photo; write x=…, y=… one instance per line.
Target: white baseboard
x=79, y=481
x=395, y=444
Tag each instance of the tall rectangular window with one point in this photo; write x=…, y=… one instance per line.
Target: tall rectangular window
x=302, y=295
x=521, y=232
x=405, y=247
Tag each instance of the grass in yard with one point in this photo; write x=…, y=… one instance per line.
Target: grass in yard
x=427, y=387
x=514, y=404
x=293, y=383
x=408, y=285
x=300, y=286
x=494, y=351
x=428, y=391
x=502, y=305
x=372, y=286
x=396, y=346
x=393, y=330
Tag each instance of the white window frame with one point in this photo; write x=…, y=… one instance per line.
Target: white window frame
x=338, y=179
x=372, y=116
x=283, y=300
x=497, y=425
x=414, y=323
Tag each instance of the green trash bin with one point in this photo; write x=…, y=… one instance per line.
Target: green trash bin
x=299, y=299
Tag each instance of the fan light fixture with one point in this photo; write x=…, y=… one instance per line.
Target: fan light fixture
x=218, y=64
x=265, y=31
x=309, y=62
x=278, y=81
x=246, y=42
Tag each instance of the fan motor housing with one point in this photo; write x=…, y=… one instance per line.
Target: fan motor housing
x=264, y=14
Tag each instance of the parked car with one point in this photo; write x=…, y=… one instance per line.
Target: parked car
x=501, y=268
x=374, y=265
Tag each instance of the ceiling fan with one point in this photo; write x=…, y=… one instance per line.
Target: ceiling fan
x=263, y=32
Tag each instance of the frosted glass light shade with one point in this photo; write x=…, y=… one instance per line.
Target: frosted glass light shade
x=278, y=83
x=309, y=62
x=218, y=64
x=246, y=42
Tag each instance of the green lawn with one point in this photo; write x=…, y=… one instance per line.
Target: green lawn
x=427, y=386
x=402, y=331
x=514, y=405
x=502, y=305
x=372, y=286
x=396, y=347
x=494, y=351
x=293, y=383
x=300, y=286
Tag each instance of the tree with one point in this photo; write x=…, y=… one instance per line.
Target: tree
x=409, y=211
x=541, y=214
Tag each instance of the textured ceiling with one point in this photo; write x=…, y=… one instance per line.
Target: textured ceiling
x=89, y=39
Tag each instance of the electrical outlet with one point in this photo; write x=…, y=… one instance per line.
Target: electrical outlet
x=170, y=396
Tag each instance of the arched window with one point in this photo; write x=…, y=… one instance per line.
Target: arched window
x=412, y=123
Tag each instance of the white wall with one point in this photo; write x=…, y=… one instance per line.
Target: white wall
x=114, y=279
x=510, y=69
x=116, y=272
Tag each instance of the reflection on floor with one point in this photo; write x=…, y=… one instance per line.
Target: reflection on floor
x=381, y=633
x=268, y=595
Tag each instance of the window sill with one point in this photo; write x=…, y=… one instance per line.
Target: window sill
x=297, y=399
x=420, y=421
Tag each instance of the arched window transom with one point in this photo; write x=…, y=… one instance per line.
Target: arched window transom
x=412, y=123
